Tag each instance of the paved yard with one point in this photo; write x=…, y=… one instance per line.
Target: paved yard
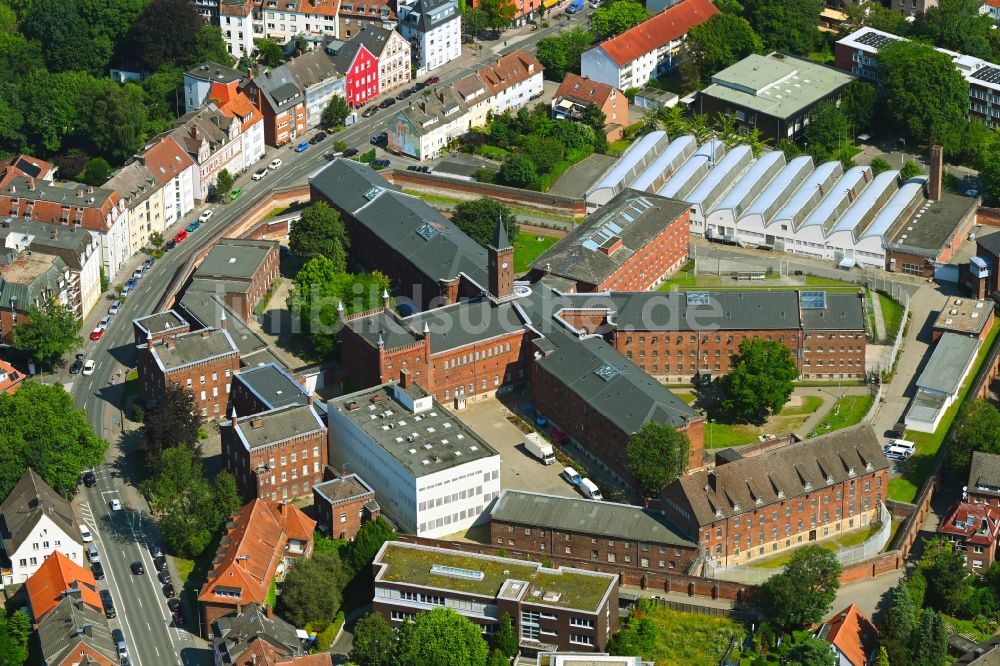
x=519, y=469
x=580, y=176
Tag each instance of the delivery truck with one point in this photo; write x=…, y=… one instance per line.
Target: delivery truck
x=538, y=447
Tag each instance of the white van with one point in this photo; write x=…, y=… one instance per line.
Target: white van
x=897, y=452
x=904, y=444
x=570, y=475
x=590, y=490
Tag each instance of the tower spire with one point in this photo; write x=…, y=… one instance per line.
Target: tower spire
x=500, y=241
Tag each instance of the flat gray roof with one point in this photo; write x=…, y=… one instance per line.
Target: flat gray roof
x=964, y=315
x=616, y=521
x=235, y=258
x=273, y=385
x=951, y=357
x=277, y=425
x=160, y=321
x=194, y=346
x=423, y=443
x=928, y=234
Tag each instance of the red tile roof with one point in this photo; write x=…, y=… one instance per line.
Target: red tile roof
x=973, y=523
x=667, y=26
x=31, y=166
x=251, y=551
x=579, y=89
x=10, y=378
x=993, y=3
x=851, y=632
x=59, y=574
x=235, y=104
x=510, y=70
x=165, y=159
x=92, y=207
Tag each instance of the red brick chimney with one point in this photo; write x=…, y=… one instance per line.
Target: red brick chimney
x=270, y=612
x=149, y=340
x=404, y=378
x=937, y=172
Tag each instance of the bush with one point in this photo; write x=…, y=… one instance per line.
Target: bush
x=138, y=412
x=325, y=638
x=367, y=158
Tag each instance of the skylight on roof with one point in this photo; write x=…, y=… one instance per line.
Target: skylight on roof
x=813, y=300
x=698, y=298
x=457, y=572
x=427, y=231
x=607, y=372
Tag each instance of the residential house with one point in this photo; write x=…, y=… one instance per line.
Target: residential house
x=198, y=82
x=475, y=95
x=427, y=124
x=201, y=362
x=28, y=279
x=73, y=634
x=240, y=270
x=359, y=67
x=852, y=636
x=984, y=479
x=255, y=636
x=432, y=473
x=283, y=104
x=213, y=141
x=753, y=507
x=647, y=50
x=575, y=93
x=434, y=30
x=98, y=210
x=354, y=15
x=975, y=530
x=513, y=80
x=991, y=7
x=232, y=102
x=158, y=187
x=342, y=505
x=261, y=541
x=392, y=53
x=572, y=658
x=316, y=75
x=244, y=21
x=58, y=578
x=278, y=454
x=31, y=166
x=78, y=248
x=10, y=378
x=551, y=608
x=36, y=522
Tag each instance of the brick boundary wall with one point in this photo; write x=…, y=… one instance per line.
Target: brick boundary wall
x=465, y=189
x=988, y=216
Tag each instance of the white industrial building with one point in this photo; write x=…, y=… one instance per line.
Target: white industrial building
x=432, y=474
x=822, y=211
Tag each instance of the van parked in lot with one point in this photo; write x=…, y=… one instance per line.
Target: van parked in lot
x=897, y=452
x=571, y=475
x=904, y=444
x=590, y=490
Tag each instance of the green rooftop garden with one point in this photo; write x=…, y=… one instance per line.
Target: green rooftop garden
x=413, y=565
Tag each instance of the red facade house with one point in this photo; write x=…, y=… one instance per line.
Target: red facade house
x=973, y=528
x=360, y=69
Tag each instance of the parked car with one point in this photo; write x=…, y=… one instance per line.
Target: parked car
x=97, y=570
x=163, y=577
x=571, y=475
x=317, y=138
x=85, y=533
x=115, y=307
x=205, y=217
x=379, y=139
x=168, y=591
x=146, y=265
x=160, y=563
x=235, y=193
x=350, y=152
x=119, y=639
x=302, y=147
x=403, y=95
x=259, y=174
x=369, y=112
x=76, y=367
x=89, y=479
x=88, y=367
x=431, y=80
x=380, y=163
x=137, y=273
x=193, y=227
x=386, y=103
x=275, y=163
x=105, y=321
x=180, y=236
x=93, y=555
x=155, y=550
x=108, y=603
x=97, y=333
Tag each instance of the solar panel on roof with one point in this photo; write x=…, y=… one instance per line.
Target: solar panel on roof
x=698, y=298
x=874, y=39
x=607, y=372
x=813, y=300
x=988, y=74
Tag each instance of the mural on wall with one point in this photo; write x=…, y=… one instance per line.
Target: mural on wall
x=403, y=137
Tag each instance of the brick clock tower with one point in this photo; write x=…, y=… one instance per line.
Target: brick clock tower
x=501, y=258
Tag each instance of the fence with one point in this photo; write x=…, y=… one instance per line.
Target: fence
x=873, y=410
x=871, y=547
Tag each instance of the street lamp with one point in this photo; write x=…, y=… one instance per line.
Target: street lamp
x=711, y=434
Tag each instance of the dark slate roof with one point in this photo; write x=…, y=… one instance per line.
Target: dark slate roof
x=634, y=217
x=280, y=88
x=628, y=397
x=990, y=243
x=794, y=470
x=237, y=632
x=935, y=228
x=344, y=56
x=343, y=488
x=68, y=242
x=726, y=310
x=215, y=73
x=615, y=521
x=62, y=631
x=30, y=498
x=235, y=258
x=374, y=38
x=277, y=425
x=159, y=322
x=428, y=14
x=207, y=310
x=193, y=347
x=843, y=311
x=345, y=182
x=984, y=475
x=273, y=386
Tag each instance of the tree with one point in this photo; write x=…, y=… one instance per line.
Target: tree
x=828, y=127
x=374, y=642
x=786, y=25
x=223, y=183
x=320, y=232
x=269, y=52
x=474, y=20
x=944, y=568
x=209, y=45
x=811, y=652
x=441, y=637
x=161, y=96
x=898, y=624
x=497, y=658
x=858, y=101
x=15, y=632
x=803, y=592
x=616, y=18
x=97, y=172
x=311, y=591
x=636, y=637
x=930, y=647
x=874, y=15
x=519, y=171
x=561, y=53
x=478, y=219
x=957, y=25
x=225, y=496
x=183, y=502
x=336, y=112
x=499, y=13
x=60, y=26
x=505, y=637
x=361, y=552
x=171, y=422
x=910, y=170
x=156, y=239
x=594, y=118
x=760, y=379
x=722, y=41
x=923, y=95
x=879, y=165
x=113, y=119
x=882, y=658
x=166, y=32
x=50, y=331
x=989, y=170
x=543, y=151
x=917, y=587
x=977, y=428
x=656, y=455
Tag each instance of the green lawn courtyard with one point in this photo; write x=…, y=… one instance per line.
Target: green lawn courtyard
x=847, y=411
x=689, y=639
x=791, y=418
x=527, y=247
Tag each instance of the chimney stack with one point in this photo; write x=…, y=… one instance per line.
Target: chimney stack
x=222, y=321
x=149, y=340
x=404, y=378
x=937, y=171
x=270, y=612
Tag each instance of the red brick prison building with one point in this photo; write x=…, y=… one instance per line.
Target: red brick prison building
x=241, y=270
x=753, y=507
x=279, y=454
x=262, y=388
x=342, y=505
x=552, y=609
x=630, y=244
x=158, y=326
x=608, y=536
x=202, y=362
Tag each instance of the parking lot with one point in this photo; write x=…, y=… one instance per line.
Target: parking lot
x=519, y=469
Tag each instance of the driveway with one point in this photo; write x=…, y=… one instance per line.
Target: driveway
x=581, y=176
